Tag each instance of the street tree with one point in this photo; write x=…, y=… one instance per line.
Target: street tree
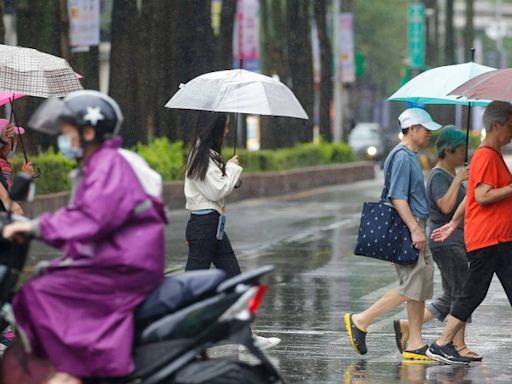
x=276, y=132
x=125, y=67
x=300, y=63
x=326, y=60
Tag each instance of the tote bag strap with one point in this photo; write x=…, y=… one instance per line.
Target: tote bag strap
x=387, y=181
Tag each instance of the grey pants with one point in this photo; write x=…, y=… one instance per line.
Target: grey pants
x=453, y=264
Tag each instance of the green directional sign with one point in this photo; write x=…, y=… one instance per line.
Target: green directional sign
x=416, y=35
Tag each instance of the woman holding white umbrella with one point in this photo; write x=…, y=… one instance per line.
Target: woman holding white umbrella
x=209, y=180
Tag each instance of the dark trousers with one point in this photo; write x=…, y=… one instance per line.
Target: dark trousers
x=452, y=261
x=204, y=249
x=483, y=264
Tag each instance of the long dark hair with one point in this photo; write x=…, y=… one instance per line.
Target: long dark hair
x=209, y=138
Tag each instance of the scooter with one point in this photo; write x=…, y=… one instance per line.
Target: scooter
x=177, y=323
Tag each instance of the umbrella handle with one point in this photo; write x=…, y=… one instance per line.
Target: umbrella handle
x=237, y=115
x=37, y=174
x=466, y=156
x=13, y=119
x=236, y=132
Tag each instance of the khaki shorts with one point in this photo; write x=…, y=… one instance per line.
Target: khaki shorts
x=417, y=280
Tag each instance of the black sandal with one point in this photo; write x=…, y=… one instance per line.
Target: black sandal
x=356, y=336
x=398, y=335
x=472, y=355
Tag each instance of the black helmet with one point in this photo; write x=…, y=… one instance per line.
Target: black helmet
x=95, y=109
x=82, y=108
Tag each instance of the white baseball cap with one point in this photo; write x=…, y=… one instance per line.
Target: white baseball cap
x=417, y=116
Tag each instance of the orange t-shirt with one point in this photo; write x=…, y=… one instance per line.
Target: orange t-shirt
x=487, y=225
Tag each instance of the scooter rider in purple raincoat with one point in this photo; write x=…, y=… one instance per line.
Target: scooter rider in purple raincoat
x=79, y=312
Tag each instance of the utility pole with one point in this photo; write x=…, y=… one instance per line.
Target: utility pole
x=469, y=32
x=342, y=91
x=338, y=85
x=449, y=43
x=500, y=35
x=64, y=30
x=430, y=32
x=346, y=101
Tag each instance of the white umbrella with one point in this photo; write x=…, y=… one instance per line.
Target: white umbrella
x=238, y=91
x=34, y=73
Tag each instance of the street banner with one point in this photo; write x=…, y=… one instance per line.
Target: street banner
x=84, y=22
x=315, y=45
x=416, y=36
x=246, y=35
x=346, y=47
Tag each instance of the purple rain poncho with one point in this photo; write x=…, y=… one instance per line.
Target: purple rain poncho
x=79, y=314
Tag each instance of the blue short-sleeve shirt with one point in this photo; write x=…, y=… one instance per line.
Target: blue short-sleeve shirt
x=406, y=180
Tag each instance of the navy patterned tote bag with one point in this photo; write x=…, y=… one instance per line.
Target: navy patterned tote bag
x=383, y=234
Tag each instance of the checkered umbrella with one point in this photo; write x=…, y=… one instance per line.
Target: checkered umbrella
x=30, y=72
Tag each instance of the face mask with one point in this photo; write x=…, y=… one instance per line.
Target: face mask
x=64, y=143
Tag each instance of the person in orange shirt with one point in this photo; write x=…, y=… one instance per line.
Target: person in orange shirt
x=487, y=228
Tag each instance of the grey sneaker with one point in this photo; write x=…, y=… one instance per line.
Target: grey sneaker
x=446, y=354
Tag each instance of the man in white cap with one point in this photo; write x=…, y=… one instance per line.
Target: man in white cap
x=407, y=194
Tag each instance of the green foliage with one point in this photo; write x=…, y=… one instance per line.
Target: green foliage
x=54, y=168
x=169, y=160
x=166, y=158
x=380, y=32
x=302, y=155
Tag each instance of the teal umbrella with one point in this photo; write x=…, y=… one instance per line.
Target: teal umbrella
x=434, y=85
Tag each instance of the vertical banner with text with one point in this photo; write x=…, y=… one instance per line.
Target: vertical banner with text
x=416, y=35
x=346, y=47
x=84, y=22
x=246, y=35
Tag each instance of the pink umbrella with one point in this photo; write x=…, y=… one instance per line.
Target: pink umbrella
x=494, y=85
x=7, y=97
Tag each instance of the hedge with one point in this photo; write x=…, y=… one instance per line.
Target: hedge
x=55, y=169
x=169, y=160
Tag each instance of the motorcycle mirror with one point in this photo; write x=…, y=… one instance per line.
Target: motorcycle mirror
x=23, y=188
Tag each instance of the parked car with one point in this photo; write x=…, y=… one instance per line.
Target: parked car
x=367, y=141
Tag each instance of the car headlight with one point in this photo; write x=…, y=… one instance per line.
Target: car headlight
x=371, y=151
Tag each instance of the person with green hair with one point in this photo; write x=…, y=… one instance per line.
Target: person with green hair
x=445, y=191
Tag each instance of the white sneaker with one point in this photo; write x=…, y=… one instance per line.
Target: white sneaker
x=266, y=342
x=263, y=343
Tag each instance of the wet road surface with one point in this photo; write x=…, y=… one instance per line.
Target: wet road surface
x=309, y=237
